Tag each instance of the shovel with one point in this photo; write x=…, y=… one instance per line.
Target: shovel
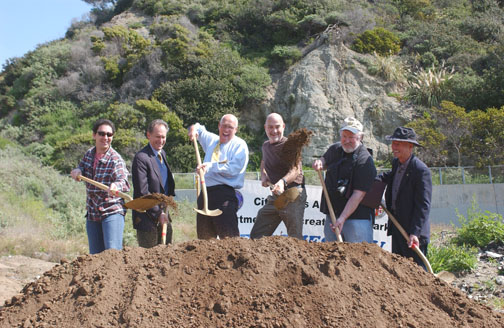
x=164, y=229
x=205, y=210
x=443, y=275
x=288, y=196
x=329, y=206
x=140, y=204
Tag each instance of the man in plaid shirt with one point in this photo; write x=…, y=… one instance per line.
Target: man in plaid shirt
x=105, y=211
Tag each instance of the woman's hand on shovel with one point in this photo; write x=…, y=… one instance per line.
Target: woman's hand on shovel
x=75, y=174
x=112, y=190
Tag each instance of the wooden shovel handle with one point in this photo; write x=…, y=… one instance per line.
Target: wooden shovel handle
x=201, y=177
x=124, y=196
x=163, y=233
x=198, y=157
x=405, y=235
x=329, y=206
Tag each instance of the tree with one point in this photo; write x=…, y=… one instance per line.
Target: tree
x=455, y=125
x=487, y=139
x=101, y=4
x=443, y=130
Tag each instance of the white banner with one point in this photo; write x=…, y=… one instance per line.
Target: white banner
x=253, y=196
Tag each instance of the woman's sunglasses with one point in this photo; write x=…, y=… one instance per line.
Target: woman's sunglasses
x=103, y=134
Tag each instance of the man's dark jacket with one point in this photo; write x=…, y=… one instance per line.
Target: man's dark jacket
x=147, y=180
x=413, y=198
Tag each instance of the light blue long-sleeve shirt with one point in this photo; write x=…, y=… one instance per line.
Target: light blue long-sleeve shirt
x=235, y=151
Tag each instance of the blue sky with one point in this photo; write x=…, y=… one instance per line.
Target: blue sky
x=26, y=23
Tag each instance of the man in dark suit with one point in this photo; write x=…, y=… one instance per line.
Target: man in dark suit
x=408, y=195
x=151, y=174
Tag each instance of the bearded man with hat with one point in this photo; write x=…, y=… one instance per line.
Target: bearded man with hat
x=408, y=195
x=350, y=174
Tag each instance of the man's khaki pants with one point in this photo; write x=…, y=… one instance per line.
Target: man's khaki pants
x=269, y=217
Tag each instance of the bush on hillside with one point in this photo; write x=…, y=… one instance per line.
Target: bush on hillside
x=286, y=55
x=378, y=40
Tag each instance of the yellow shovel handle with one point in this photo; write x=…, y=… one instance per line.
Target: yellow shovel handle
x=124, y=196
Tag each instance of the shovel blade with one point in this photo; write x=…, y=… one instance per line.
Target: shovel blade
x=446, y=276
x=288, y=196
x=141, y=205
x=208, y=212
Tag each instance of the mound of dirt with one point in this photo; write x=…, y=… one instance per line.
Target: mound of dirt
x=271, y=282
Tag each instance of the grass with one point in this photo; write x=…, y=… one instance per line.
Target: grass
x=459, y=251
x=452, y=258
x=479, y=228
x=184, y=222
x=497, y=303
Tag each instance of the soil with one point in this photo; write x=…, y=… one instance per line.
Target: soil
x=17, y=271
x=271, y=282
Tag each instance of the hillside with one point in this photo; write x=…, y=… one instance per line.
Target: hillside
x=433, y=64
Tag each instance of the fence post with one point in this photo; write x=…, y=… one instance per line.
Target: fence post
x=490, y=174
x=463, y=175
x=440, y=177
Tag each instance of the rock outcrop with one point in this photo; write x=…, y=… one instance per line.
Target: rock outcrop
x=325, y=86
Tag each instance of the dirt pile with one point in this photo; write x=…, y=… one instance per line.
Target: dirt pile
x=271, y=282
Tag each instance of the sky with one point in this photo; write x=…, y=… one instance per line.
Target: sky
x=26, y=23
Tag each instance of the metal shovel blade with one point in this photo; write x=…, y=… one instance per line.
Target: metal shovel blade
x=142, y=204
x=446, y=276
x=288, y=196
x=208, y=212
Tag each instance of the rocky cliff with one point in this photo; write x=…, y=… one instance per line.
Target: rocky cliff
x=328, y=84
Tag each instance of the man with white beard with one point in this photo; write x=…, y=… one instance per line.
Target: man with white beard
x=350, y=174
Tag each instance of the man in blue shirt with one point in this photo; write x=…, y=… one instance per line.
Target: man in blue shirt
x=224, y=165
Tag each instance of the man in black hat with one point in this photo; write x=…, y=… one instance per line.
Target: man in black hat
x=408, y=195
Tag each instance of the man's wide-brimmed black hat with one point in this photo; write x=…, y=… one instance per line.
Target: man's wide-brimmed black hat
x=404, y=134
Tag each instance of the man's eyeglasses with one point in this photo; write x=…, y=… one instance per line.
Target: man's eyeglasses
x=103, y=134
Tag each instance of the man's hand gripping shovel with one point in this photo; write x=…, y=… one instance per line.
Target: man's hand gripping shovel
x=288, y=196
x=205, y=210
x=443, y=275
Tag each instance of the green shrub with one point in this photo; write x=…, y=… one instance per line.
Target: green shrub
x=184, y=180
x=286, y=55
x=182, y=158
x=452, y=258
x=98, y=44
x=429, y=88
x=5, y=142
x=335, y=17
x=479, y=228
x=112, y=68
x=389, y=68
x=378, y=40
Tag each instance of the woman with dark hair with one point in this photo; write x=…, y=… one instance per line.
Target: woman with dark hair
x=105, y=210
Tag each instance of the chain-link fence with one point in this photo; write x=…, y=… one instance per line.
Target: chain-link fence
x=440, y=176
